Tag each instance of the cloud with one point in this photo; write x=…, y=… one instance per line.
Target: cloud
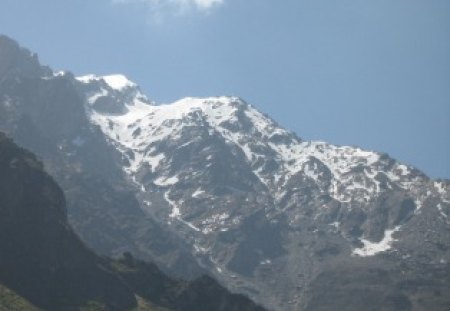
x=206, y=4
x=174, y=6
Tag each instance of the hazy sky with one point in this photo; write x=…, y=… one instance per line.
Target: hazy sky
x=372, y=73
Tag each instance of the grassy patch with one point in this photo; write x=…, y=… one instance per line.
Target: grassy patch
x=144, y=305
x=93, y=306
x=10, y=301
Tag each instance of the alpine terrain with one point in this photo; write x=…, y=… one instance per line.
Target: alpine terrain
x=213, y=185
x=44, y=264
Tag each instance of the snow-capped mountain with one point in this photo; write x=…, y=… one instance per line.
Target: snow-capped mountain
x=143, y=131
x=224, y=187
x=213, y=163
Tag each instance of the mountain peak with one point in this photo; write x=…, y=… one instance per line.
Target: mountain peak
x=17, y=60
x=111, y=94
x=117, y=82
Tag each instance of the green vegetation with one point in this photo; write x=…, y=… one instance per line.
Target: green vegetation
x=144, y=305
x=10, y=301
x=93, y=306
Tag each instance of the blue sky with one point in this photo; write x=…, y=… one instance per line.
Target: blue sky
x=372, y=73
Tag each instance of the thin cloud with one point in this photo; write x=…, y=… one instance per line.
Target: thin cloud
x=206, y=4
x=178, y=7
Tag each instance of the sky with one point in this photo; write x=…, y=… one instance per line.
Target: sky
x=368, y=73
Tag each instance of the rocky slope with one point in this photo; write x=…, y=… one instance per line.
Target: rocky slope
x=269, y=214
x=44, y=261
x=261, y=208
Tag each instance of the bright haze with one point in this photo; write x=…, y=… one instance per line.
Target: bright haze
x=370, y=73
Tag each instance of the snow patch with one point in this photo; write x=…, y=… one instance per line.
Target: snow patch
x=403, y=169
x=118, y=82
x=441, y=211
x=166, y=181
x=266, y=262
x=176, y=213
x=215, y=221
x=336, y=224
x=93, y=97
x=419, y=205
x=443, y=191
x=197, y=193
x=200, y=250
x=373, y=248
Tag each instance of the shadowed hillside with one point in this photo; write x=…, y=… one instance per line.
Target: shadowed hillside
x=42, y=260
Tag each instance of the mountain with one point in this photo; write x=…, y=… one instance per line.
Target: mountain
x=41, y=257
x=215, y=185
x=44, y=113
x=44, y=261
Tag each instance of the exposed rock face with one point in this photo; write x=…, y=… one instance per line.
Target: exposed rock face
x=229, y=190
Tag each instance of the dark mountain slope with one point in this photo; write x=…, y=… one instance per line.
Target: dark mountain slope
x=202, y=294
x=42, y=259
x=40, y=256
